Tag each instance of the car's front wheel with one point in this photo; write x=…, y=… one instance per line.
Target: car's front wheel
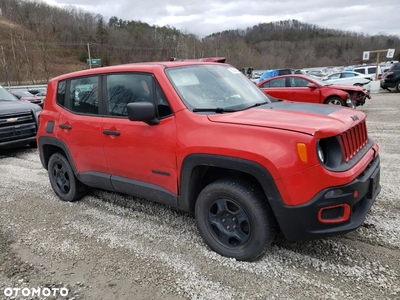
x=63, y=180
x=335, y=101
x=234, y=219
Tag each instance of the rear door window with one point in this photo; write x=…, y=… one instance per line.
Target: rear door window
x=84, y=95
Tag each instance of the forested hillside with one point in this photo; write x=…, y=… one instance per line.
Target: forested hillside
x=38, y=41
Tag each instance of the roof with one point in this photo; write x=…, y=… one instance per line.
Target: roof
x=142, y=67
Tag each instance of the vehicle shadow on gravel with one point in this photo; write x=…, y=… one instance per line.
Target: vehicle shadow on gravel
x=13, y=152
x=332, y=250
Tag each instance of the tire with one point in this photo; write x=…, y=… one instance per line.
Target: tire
x=63, y=181
x=234, y=219
x=335, y=101
x=398, y=86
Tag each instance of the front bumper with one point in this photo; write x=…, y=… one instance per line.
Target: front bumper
x=332, y=211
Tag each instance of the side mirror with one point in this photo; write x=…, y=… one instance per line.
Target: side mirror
x=142, y=111
x=312, y=86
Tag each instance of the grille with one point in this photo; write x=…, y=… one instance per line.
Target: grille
x=353, y=140
x=17, y=126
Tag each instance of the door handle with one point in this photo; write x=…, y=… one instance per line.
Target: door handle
x=65, y=126
x=111, y=132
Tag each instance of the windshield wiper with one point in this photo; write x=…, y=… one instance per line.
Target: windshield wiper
x=258, y=104
x=218, y=110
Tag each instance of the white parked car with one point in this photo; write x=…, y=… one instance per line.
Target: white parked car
x=349, y=78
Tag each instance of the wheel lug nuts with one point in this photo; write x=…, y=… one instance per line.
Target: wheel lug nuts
x=228, y=227
x=223, y=220
x=234, y=226
x=227, y=215
x=233, y=219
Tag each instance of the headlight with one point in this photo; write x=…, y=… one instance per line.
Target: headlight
x=320, y=153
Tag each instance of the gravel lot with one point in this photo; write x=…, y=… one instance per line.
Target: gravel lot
x=110, y=246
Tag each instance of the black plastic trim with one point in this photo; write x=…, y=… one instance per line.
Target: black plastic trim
x=46, y=140
x=301, y=222
x=188, y=183
x=144, y=190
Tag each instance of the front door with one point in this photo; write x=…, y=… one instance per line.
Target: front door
x=139, y=156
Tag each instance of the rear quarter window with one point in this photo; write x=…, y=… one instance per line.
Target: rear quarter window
x=61, y=88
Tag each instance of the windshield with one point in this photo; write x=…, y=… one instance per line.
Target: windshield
x=4, y=95
x=215, y=86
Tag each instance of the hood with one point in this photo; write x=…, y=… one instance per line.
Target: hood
x=320, y=120
x=347, y=88
x=17, y=106
x=30, y=98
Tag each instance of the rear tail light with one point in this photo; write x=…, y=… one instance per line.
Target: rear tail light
x=389, y=74
x=380, y=76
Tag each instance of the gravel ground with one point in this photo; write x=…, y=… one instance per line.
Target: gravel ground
x=111, y=246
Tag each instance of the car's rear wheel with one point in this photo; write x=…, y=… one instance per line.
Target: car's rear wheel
x=335, y=101
x=398, y=86
x=234, y=219
x=63, y=180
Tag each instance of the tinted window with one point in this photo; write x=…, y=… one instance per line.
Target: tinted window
x=84, y=95
x=280, y=82
x=371, y=70
x=60, y=98
x=395, y=67
x=334, y=76
x=127, y=88
x=362, y=70
x=348, y=75
x=298, y=82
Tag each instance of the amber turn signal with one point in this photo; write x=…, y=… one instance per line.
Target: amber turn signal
x=302, y=151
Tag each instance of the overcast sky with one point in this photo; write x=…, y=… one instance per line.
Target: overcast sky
x=203, y=17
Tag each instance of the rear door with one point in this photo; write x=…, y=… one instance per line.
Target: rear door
x=79, y=124
x=276, y=88
x=299, y=90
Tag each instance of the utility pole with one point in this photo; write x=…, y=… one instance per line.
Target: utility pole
x=90, y=59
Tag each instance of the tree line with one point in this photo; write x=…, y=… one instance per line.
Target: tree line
x=39, y=41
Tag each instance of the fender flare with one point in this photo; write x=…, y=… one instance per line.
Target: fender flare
x=259, y=172
x=46, y=140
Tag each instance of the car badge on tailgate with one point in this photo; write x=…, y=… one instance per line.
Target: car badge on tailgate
x=355, y=118
x=12, y=120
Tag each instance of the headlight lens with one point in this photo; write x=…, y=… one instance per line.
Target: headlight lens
x=320, y=153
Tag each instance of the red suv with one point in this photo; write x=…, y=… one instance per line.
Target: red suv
x=203, y=138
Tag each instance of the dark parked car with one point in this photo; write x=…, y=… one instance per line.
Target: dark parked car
x=18, y=121
x=391, y=78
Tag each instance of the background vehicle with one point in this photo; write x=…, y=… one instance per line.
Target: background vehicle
x=370, y=71
x=349, y=78
x=27, y=96
x=203, y=138
x=391, y=79
x=304, y=88
x=18, y=121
